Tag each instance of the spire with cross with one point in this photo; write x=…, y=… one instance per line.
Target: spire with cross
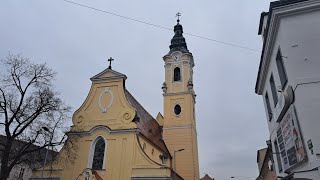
x=110, y=60
x=178, y=43
x=178, y=16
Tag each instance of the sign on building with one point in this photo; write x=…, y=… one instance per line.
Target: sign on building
x=289, y=139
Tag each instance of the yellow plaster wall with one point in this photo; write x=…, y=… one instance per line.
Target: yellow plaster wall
x=187, y=164
x=186, y=116
x=124, y=156
x=119, y=157
x=150, y=150
x=160, y=119
x=118, y=116
x=179, y=131
x=186, y=73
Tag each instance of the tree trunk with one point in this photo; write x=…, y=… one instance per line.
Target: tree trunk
x=5, y=171
x=4, y=174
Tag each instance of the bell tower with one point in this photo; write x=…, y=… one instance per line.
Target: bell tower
x=179, y=126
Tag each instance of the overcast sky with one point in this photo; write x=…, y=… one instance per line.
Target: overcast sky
x=76, y=42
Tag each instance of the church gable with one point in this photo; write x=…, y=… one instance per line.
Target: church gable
x=108, y=74
x=106, y=104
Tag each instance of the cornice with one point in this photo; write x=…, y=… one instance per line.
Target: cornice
x=277, y=14
x=89, y=130
x=176, y=94
x=168, y=58
x=115, y=75
x=165, y=57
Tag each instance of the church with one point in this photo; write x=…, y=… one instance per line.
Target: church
x=114, y=138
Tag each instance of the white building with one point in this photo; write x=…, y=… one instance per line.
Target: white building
x=289, y=82
x=23, y=170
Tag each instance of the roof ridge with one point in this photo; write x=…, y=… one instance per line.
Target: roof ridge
x=133, y=98
x=147, y=124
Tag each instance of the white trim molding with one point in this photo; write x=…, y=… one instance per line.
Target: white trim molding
x=106, y=91
x=91, y=152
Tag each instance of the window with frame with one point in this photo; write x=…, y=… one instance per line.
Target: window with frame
x=281, y=69
x=266, y=97
x=98, y=156
x=177, y=109
x=21, y=173
x=273, y=90
x=176, y=74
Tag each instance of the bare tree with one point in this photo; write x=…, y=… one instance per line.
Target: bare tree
x=30, y=110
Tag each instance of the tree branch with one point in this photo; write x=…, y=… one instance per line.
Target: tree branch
x=26, y=99
x=4, y=107
x=7, y=128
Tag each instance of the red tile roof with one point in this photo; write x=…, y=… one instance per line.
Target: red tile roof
x=148, y=126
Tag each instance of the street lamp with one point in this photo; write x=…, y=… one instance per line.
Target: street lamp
x=174, y=158
x=45, y=158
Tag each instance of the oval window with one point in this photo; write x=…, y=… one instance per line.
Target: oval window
x=177, y=109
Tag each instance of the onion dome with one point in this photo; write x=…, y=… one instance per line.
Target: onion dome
x=178, y=42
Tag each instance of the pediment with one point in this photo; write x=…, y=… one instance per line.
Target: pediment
x=108, y=74
x=106, y=104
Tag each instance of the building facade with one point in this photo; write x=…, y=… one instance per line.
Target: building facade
x=265, y=165
x=113, y=137
x=23, y=170
x=289, y=82
x=179, y=124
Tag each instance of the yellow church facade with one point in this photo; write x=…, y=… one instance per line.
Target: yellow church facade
x=114, y=138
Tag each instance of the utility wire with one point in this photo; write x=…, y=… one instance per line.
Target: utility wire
x=113, y=14
x=222, y=42
x=158, y=26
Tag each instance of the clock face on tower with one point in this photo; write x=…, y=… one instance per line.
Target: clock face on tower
x=176, y=56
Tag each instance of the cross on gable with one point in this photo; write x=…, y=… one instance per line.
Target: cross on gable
x=110, y=60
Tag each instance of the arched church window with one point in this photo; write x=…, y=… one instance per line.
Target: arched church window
x=176, y=74
x=98, y=156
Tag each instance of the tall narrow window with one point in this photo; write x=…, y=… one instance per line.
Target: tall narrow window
x=268, y=106
x=98, y=156
x=274, y=91
x=281, y=70
x=21, y=173
x=279, y=162
x=176, y=74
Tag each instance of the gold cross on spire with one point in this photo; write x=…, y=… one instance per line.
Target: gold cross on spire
x=178, y=16
x=110, y=60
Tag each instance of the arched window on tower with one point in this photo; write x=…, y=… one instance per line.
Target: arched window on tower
x=98, y=156
x=176, y=74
